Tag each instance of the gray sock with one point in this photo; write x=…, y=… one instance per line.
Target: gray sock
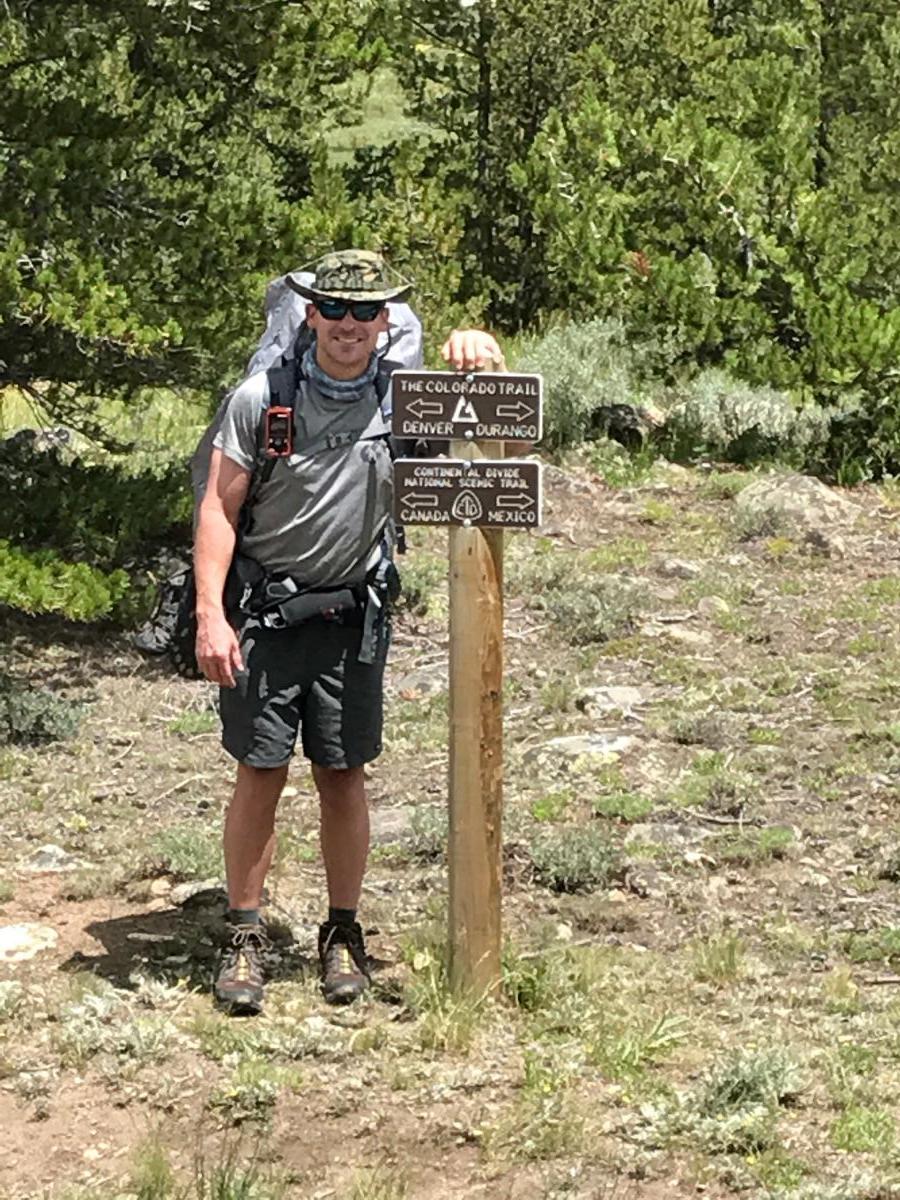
x=244, y=916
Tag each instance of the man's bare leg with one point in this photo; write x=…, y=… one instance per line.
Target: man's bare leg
x=249, y=843
x=344, y=832
x=345, y=848
x=249, y=839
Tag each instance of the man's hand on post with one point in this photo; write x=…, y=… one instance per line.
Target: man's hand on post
x=470, y=349
x=218, y=650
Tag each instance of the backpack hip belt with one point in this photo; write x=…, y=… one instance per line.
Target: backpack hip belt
x=282, y=602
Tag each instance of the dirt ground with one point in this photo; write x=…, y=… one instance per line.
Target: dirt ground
x=700, y=994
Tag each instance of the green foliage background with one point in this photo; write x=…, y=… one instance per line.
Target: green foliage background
x=717, y=177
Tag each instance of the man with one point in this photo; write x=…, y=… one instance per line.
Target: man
x=316, y=532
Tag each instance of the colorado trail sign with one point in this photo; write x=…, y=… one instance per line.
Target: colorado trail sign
x=487, y=406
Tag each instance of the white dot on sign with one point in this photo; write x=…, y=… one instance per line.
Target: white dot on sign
x=467, y=522
x=469, y=433
x=470, y=379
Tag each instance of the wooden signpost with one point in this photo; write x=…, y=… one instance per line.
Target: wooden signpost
x=477, y=493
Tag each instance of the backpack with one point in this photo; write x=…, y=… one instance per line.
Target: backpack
x=172, y=628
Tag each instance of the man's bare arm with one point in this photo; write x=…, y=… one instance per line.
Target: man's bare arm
x=218, y=652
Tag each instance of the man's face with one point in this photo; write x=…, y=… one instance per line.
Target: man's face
x=344, y=346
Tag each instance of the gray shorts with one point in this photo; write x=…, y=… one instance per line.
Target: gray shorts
x=309, y=678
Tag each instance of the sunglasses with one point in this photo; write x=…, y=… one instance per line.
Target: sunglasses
x=360, y=310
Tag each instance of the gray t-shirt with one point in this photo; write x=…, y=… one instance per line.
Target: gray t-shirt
x=320, y=516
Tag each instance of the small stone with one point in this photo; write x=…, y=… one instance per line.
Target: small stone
x=563, y=932
x=660, y=833
x=390, y=824
x=678, y=568
x=425, y=681
x=183, y=893
x=160, y=887
x=644, y=881
x=600, y=745
x=689, y=637
x=711, y=606
x=289, y=793
x=52, y=858
x=601, y=700
x=20, y=942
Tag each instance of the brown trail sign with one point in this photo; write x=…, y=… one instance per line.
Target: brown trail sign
x=490, y=493
x=476, y=493
x=483, y=407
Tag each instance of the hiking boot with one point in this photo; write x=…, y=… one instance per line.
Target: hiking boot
x=345, y=966
x=239, y=984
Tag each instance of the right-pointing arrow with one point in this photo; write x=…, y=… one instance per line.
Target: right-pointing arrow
x=520, y=501
x=518, y=411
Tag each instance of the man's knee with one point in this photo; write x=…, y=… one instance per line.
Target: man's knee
x=263, y=774
x=339, y=784
x=262, y=784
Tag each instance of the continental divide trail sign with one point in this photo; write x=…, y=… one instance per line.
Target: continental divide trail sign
x=493, y=494
x=477, y=493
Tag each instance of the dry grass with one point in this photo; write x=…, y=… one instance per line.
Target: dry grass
x=728, y=889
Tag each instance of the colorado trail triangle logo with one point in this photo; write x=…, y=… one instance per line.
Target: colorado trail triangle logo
x=465, y=412
x=467, y=507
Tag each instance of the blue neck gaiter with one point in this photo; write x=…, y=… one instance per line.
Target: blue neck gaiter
x=338, y=389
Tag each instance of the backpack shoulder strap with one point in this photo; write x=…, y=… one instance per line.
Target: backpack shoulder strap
x=283, y=380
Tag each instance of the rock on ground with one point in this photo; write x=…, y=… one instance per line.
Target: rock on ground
x=793, y=504
x=19, y=942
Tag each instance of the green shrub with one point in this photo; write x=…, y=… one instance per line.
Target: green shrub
x=574, y=858
x=41, y=582
x=735, y=1108
x=429, y=831
x=591, y=609
x=30, y=717
x=529, y=983
x=189, y=851
x=718, y=415
x=863, y=1129
x=107, y=514
x=587, y=605
x=882, y=945
x=753, y=847
x=752, y=1077
x=586, y=368
x=73, y=532
x=422, y=574
x=623, y=806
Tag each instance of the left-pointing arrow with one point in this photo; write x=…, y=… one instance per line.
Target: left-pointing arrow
x=426, y=408
x=420, y=500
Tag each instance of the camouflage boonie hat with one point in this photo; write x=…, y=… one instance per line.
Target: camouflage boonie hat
x=352, y=275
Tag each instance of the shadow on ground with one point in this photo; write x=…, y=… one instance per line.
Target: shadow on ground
x=179, y=944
